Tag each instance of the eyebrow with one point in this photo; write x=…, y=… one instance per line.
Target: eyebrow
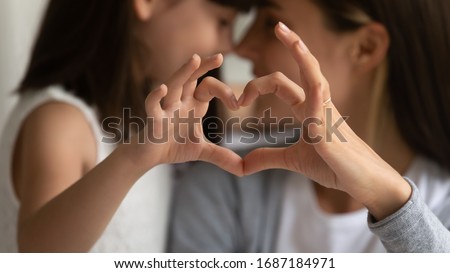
x=267, y=4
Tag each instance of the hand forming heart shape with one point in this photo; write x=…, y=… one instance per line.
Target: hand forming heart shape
x=345, y=163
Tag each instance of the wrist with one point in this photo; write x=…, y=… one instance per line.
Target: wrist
x=388, y=195
x=134, y=156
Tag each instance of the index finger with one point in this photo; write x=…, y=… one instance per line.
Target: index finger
x=206, y=65
x=276, y=83
x=316, y=88
x=176, y=82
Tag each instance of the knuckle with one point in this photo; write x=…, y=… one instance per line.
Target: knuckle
x=251, y=85
x=315, y=61
x=278, y=76
x=326, y=85
x=149, y=100
x=316, y=86
x=208, y=80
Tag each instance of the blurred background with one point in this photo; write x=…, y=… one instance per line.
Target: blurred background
x=19, y=20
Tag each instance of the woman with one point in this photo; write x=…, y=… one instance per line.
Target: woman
x=383, y=65
x=67, y=189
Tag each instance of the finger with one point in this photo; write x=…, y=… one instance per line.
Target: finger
x=277, y=83
x=223, y=158
x=178, y=80
x=206, y=65
x=153, y=100
x=316, y=87
x=211, y=88
x=264, y=159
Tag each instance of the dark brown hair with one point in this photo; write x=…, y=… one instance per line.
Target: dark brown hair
x=418, y=83
x=87, y=47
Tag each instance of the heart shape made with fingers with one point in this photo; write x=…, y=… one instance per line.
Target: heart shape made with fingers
x=300, y=138
x=279, y=140
x=308, y=99
x=180, y=97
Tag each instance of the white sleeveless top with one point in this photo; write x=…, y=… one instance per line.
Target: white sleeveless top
x=139, y=224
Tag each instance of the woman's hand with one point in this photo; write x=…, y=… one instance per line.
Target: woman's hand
x=329, y=152
x=174, y=133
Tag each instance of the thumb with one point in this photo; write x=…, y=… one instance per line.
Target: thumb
x=265, y=158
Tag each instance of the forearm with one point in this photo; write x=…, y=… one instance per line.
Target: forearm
x=75, y=219
x=413, y=228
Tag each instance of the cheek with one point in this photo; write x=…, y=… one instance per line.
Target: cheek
x=337, y=70
x=172, y=49
x=277, y=58
x=339, y=77
x=164, y=53
x=163, y=62
x=173, y=42
x=204, y=42
x=189, y=41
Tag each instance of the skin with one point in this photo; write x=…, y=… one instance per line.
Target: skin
x=350, y=174
x=364, y=175
x=58, y=183
x=200, y=26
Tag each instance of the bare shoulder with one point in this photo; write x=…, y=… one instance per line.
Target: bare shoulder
x=56, y=115
x=55, y=147
x=58, y=125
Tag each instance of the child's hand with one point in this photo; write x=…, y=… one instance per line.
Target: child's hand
x=346, y=162
x=175, y=111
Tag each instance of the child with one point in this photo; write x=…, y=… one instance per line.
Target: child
x=383, y=64
x=67, y=190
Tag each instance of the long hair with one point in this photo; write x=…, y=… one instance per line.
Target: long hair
x=87, y=47
x=417, y=80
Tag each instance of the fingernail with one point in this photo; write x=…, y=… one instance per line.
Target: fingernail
x=213, y=56
x=284, y=28
x=301, y=46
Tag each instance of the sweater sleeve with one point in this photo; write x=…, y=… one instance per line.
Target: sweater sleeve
x=414, y=228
